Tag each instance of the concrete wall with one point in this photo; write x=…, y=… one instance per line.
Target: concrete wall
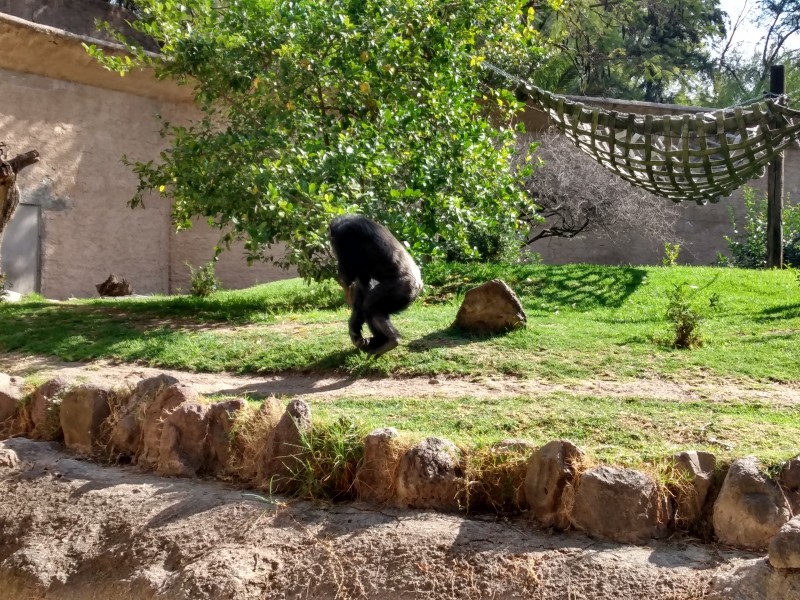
x=82, y=119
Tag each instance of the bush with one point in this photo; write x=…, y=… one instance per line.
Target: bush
x=2, y=287
x=204, y=280
x=748, y=247
x=685, y=317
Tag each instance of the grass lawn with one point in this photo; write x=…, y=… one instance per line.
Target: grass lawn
x=585, y=322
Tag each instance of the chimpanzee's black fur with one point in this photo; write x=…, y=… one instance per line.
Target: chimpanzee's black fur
x=378, y=275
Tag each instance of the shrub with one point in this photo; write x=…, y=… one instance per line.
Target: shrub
x=2, y=287
x=748, y=247
x=685, y=317
x=204, y=280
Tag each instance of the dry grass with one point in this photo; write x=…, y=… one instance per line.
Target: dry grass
x=252, y=427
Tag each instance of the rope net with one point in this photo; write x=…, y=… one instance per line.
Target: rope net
x=699, y=157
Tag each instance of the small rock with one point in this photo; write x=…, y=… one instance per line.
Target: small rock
x=750, y=508
x=45, y=409
x=790, y=482
x=430, y=476
x=698, y=470
x=784, y=548
x=550, y=470
x=11, y=396
x=491, y=307
x=167, y=400
x=114, y=286
x=623, y=505
x=183, y=448
x=8, y=458
x=82, y=412
x=221, y=418
x=284, y=449
x=375, y=479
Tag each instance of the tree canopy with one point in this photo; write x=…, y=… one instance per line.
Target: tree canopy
x=312, y=109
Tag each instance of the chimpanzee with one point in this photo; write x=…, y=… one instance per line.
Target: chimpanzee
x=379, y=278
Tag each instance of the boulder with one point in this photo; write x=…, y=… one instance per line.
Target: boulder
x=284, y=449
x=550, y=469
x=184, y=437
x=491, y=308
x=696, y=472
x=126, y=428
x=221, y=418
x=750, y=508
x=430, y=476
x=790, y=482
x=11, y=396
x=622, y=505
x=82, y=413
x=45, y=407
x=784, y=547
x=155, y=413
x=375, y=479
x=114, y=286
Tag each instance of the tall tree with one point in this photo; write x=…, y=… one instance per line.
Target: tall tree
x=632, y=49
x=312, y=109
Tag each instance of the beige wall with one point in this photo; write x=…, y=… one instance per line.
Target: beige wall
x=82, y=119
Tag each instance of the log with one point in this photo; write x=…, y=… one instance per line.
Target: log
x=9, y=194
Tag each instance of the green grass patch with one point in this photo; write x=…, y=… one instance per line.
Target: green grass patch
x=585, y=322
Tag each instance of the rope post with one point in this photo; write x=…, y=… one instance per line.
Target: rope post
x=775, y=185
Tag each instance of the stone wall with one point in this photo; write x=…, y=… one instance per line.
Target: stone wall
x=82, y=119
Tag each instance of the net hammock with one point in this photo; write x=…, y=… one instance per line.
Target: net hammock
x=700, y=157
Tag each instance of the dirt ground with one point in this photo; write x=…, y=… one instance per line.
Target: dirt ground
x=72, y=529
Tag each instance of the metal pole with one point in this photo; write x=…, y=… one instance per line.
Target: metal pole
x=775, y=187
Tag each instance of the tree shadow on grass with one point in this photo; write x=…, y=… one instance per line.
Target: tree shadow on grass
x=784, y=311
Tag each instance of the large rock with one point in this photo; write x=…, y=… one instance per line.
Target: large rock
x=750, y=508
x=550, y=470
x=126, y=428
x=696, y=471
x=491, y=307
x=114, y=287
x=156, y=412
x=790, y=482
x=284, y=449
x=82, y=412
x=430, y=476
x=45, y=408
x=221, y=419
x=622, y=505
x=11, y=396
x=376, y=477
x=184, y=437
x=784, y=547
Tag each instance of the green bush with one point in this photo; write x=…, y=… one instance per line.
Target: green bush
x=204, y=280
x=685, y=317
x=748, y=247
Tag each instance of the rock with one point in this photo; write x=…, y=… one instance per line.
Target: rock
x=376, y=477
x=491, y=307
x=126, y=429
x=184, y=435
x=622, y=505
x=284, y=449
x=430, y=476
x=114, y=286
x=82, y=412
x=11, y=396
x=45, y=409
x=750, y=508
x=156, y=412
x=696, y=470
x=550, y=469
x=754, y=579
x=221, y=418
x=8, y=459
x=784, y=547
x=790, y=482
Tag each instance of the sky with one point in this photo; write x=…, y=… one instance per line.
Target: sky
x=748, y=34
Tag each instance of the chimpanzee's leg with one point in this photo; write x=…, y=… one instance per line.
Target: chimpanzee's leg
x=386, y=298
x=357, y=316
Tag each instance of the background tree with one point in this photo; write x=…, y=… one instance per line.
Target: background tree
x=577, y=195
x=312, y=109
x=629, y=49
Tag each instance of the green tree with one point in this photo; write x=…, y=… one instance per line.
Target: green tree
x=315, y=108
x=632, y=49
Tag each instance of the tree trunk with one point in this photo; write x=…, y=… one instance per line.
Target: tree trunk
x=9, y=194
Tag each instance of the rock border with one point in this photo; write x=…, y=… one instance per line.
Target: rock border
x=163, y=426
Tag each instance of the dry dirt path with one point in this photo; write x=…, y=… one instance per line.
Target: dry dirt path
x=334, y=386
x=74, y=530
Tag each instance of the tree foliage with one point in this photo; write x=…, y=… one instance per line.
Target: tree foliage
x=313, y=109
x=630, y=49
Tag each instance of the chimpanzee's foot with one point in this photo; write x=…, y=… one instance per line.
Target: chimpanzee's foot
x=360, y=343
x=378, y=350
